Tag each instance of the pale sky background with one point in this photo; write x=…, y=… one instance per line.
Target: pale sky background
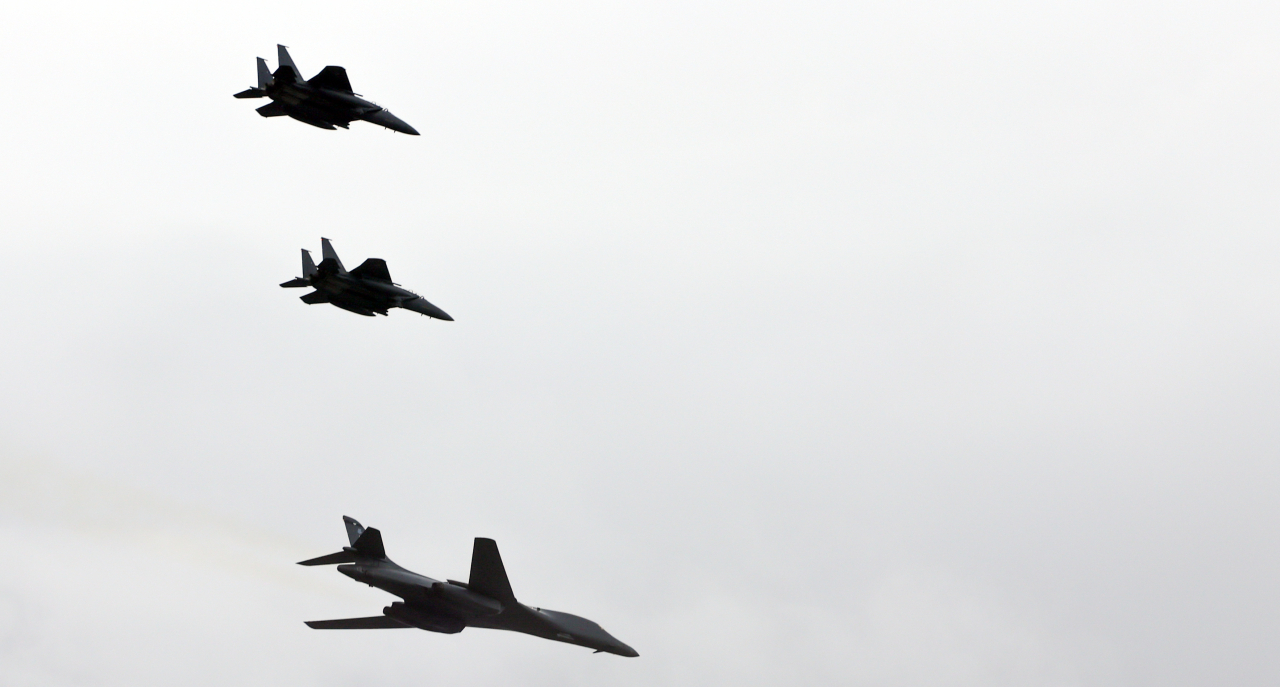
x=899, y=343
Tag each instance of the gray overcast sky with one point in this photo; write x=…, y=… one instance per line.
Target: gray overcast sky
x=899, y=343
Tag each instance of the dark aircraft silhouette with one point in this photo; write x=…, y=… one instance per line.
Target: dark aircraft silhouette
x=366, y=290
x=325, y=100
x=484, y=601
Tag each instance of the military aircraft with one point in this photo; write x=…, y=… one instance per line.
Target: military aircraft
x=325, y=100
x=366, y=290
x=486, y=600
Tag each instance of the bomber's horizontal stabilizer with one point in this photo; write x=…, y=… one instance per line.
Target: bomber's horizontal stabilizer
x=331, y=559
x=377, y=622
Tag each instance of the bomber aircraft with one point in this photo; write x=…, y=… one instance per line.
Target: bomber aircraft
x=366, y=290
x=485, y=600
x=325, y=100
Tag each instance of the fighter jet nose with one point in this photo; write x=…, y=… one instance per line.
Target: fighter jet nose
x=423, y=306
x=628, y=652
x=385, y=118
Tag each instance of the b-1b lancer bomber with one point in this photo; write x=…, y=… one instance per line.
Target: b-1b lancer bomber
x=325, y=100
x=366, y=290
x=486, y=600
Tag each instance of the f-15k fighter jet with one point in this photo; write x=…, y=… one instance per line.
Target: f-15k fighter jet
x=486, y=600
x=366, y=290
x=325, y=100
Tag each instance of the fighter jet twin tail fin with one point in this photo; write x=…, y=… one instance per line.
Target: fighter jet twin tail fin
x=264, y=80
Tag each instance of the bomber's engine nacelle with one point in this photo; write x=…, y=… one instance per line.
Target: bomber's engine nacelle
x=465, y=599
x=422, y=619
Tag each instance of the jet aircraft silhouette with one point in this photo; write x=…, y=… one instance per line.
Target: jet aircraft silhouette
x=366, y=290
x=486, y=600
x=325, y=100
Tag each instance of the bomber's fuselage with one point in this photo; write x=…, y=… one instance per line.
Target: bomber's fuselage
x=450, y=606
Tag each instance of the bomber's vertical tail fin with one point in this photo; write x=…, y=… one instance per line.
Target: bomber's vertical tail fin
x=308, y=265
x=327, y=253
x=264, y=74
x=354, y=529
x=488, y=576
x=366, y=540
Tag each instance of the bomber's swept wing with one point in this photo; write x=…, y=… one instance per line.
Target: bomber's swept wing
x=377, y=622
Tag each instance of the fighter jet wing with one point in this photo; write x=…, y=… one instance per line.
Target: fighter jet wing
x=377, y=622
x=332, y=78
x=373, y=268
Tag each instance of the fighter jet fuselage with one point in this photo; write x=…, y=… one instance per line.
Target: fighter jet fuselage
x=450, y=606
x=326, y=100
x=365, y=290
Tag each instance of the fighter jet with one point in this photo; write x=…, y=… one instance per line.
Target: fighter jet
x=486, y=600
x=325, y=100
x=366, y=290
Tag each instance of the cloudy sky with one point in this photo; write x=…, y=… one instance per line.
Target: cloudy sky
x=897, y=343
